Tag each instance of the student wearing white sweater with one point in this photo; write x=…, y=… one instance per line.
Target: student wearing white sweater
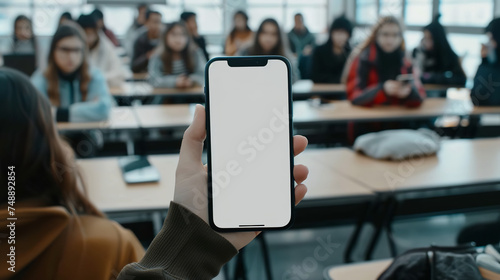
x=102, y=54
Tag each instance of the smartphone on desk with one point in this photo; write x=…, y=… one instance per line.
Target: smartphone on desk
x=250, y=143
x=405, y=79
x=137, y=169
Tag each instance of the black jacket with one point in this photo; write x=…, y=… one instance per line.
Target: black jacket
x=486, y=90
x=140, y=60
x=326, y=66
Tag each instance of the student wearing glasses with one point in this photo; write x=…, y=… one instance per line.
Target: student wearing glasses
x=77, y=92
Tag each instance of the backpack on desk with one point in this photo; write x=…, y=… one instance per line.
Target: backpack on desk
x=434, y=263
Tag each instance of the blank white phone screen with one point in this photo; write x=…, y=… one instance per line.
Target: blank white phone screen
x=250, y=145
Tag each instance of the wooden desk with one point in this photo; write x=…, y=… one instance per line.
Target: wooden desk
x=462, y=176
x=458, y=163
x=342, y=111
x=165, y=116
x=139, y=77
x=120, y=118
x=323, y=181
x=130, y=89
x=180, y=115
x=110, y=193
x=361, y=271
x=142, y=88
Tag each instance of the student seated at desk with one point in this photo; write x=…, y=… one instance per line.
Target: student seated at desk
x=135, y=29
x=241, y=36
x=23, y=39
x=329, y=59
x=486, y=90
x=146, y=42
x=99, y=17
x=60, y=233
x=102, y=53
x=436, y=59
x=189, y=19
x=77, y=92
x=375, y=66
x=269, y=41
x=178, y=64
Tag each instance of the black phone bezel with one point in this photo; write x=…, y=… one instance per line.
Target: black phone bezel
x=248, y=61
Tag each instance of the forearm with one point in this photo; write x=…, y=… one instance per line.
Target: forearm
x=370, y=96
x=185, y=248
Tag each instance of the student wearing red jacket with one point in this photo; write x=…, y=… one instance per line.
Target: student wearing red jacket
x=375, y=66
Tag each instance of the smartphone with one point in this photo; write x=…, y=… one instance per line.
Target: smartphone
x=249, y=138
x=405, y=78
x=137, y=169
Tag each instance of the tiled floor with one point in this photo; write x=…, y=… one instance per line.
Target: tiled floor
x=293, y=254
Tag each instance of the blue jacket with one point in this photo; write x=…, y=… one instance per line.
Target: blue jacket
x=95, y=108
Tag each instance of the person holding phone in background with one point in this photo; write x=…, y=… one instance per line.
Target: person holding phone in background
x=436, y=59
x=146, y=43
x=486, y=90
x=329, y=59
x=269, y=41
x=178, y=63
x=77, y=92
x=240, y=36
x=372, y=76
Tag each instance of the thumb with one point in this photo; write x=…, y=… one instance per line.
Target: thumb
x=192, y=142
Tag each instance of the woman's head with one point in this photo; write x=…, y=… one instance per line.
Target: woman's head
x=176, y=37
x=67, y=56
x=176, y=41
x=68, y=49
x=30, y=142
x=268, y=39
x=241, y=21
x=340, y=32
x=389, y=34
x=23, y=29
x=435, y=41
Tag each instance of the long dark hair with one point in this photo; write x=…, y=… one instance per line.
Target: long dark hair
x=98, y=15
x=167, y=53
x=494, y=28
x=445, y=57
x=51, y=73
x=247, y=28
x=279, y=49
x=32, y=39
x=43, y=163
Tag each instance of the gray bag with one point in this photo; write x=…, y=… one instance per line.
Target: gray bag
x=398, y=144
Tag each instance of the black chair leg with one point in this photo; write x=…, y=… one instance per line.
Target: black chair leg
x=265, y=253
